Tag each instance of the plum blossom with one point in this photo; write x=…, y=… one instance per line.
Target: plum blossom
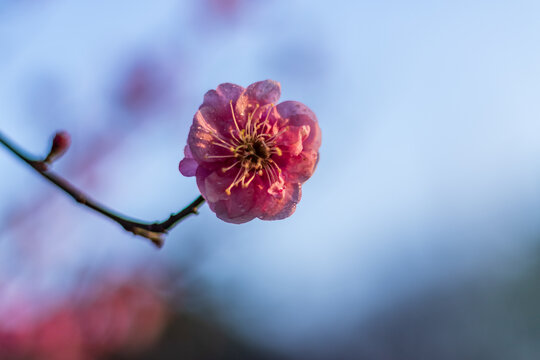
x=249, y=155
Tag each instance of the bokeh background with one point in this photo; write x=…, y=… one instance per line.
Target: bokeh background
x=417, y=238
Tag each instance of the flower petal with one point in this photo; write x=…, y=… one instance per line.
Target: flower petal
x=299, y=168
x=292, y=141
x=241, y=207
x=260, y=93
x=221, y=211
x=275, y=208
x=238, y=207
x=215, y=185
x=216, y=107
x=188, y=166
x=219, y=100
x=264, y=92
x=295, y=113
x=207, y=143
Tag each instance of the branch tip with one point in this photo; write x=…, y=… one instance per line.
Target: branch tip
x=155, y=232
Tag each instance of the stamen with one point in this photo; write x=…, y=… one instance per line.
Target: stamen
x=228, y=190
x=214, y=133
x=246, y=184
x=218, y=137
x=268, y=113
x=273, y=137
x=240, y=147
x=234, y=136
x=272, y=174
x=230, y=167
x=250, y=117
x=231, y=148
x=219, y=156
x=273, y=163
x=270, y=182
x=234, y=117
x=258, y=125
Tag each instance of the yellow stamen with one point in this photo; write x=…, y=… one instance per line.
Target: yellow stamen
x=218, y=156
x=245, y=185
x=233, y=116
x=229, y=147
x=259, y=124
x=234, y=136
x=225, y=169
x=235, y=181
x=250, y=117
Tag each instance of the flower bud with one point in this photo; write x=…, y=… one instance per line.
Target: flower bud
x=60, y=145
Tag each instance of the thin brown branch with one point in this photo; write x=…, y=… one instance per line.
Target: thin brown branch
x=153, y=231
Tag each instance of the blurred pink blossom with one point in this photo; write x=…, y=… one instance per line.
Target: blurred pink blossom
x=111, y=318
x=147, y=86
x=250, y=157
x=224, y=7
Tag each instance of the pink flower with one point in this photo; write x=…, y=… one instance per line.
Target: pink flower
x=250, y=156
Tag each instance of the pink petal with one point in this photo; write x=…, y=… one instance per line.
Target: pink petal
x=204, y=140
x=188, y=166
x=264, y=92
x=215, y=185
x=298, y=168
x=201, y=175
x=241, y=207
x=216, y=107
x=237, y=208
x=221, y=210
x=219, y=99
x=292, y=141
x=230, y=91
x=279, y=208
x=298, y=114
x=290, y=109
x=277, y=188
x=260, y=93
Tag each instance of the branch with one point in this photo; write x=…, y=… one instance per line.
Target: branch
x=155, y=232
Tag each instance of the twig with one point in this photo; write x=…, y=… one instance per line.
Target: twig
x=155, y=232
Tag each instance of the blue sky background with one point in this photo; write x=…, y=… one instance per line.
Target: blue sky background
x=430, y=164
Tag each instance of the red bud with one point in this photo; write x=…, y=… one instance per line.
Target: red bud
x=60, y=144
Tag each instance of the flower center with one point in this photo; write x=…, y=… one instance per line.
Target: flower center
x=253, y=154
x=261, y=150
x=252, y=148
